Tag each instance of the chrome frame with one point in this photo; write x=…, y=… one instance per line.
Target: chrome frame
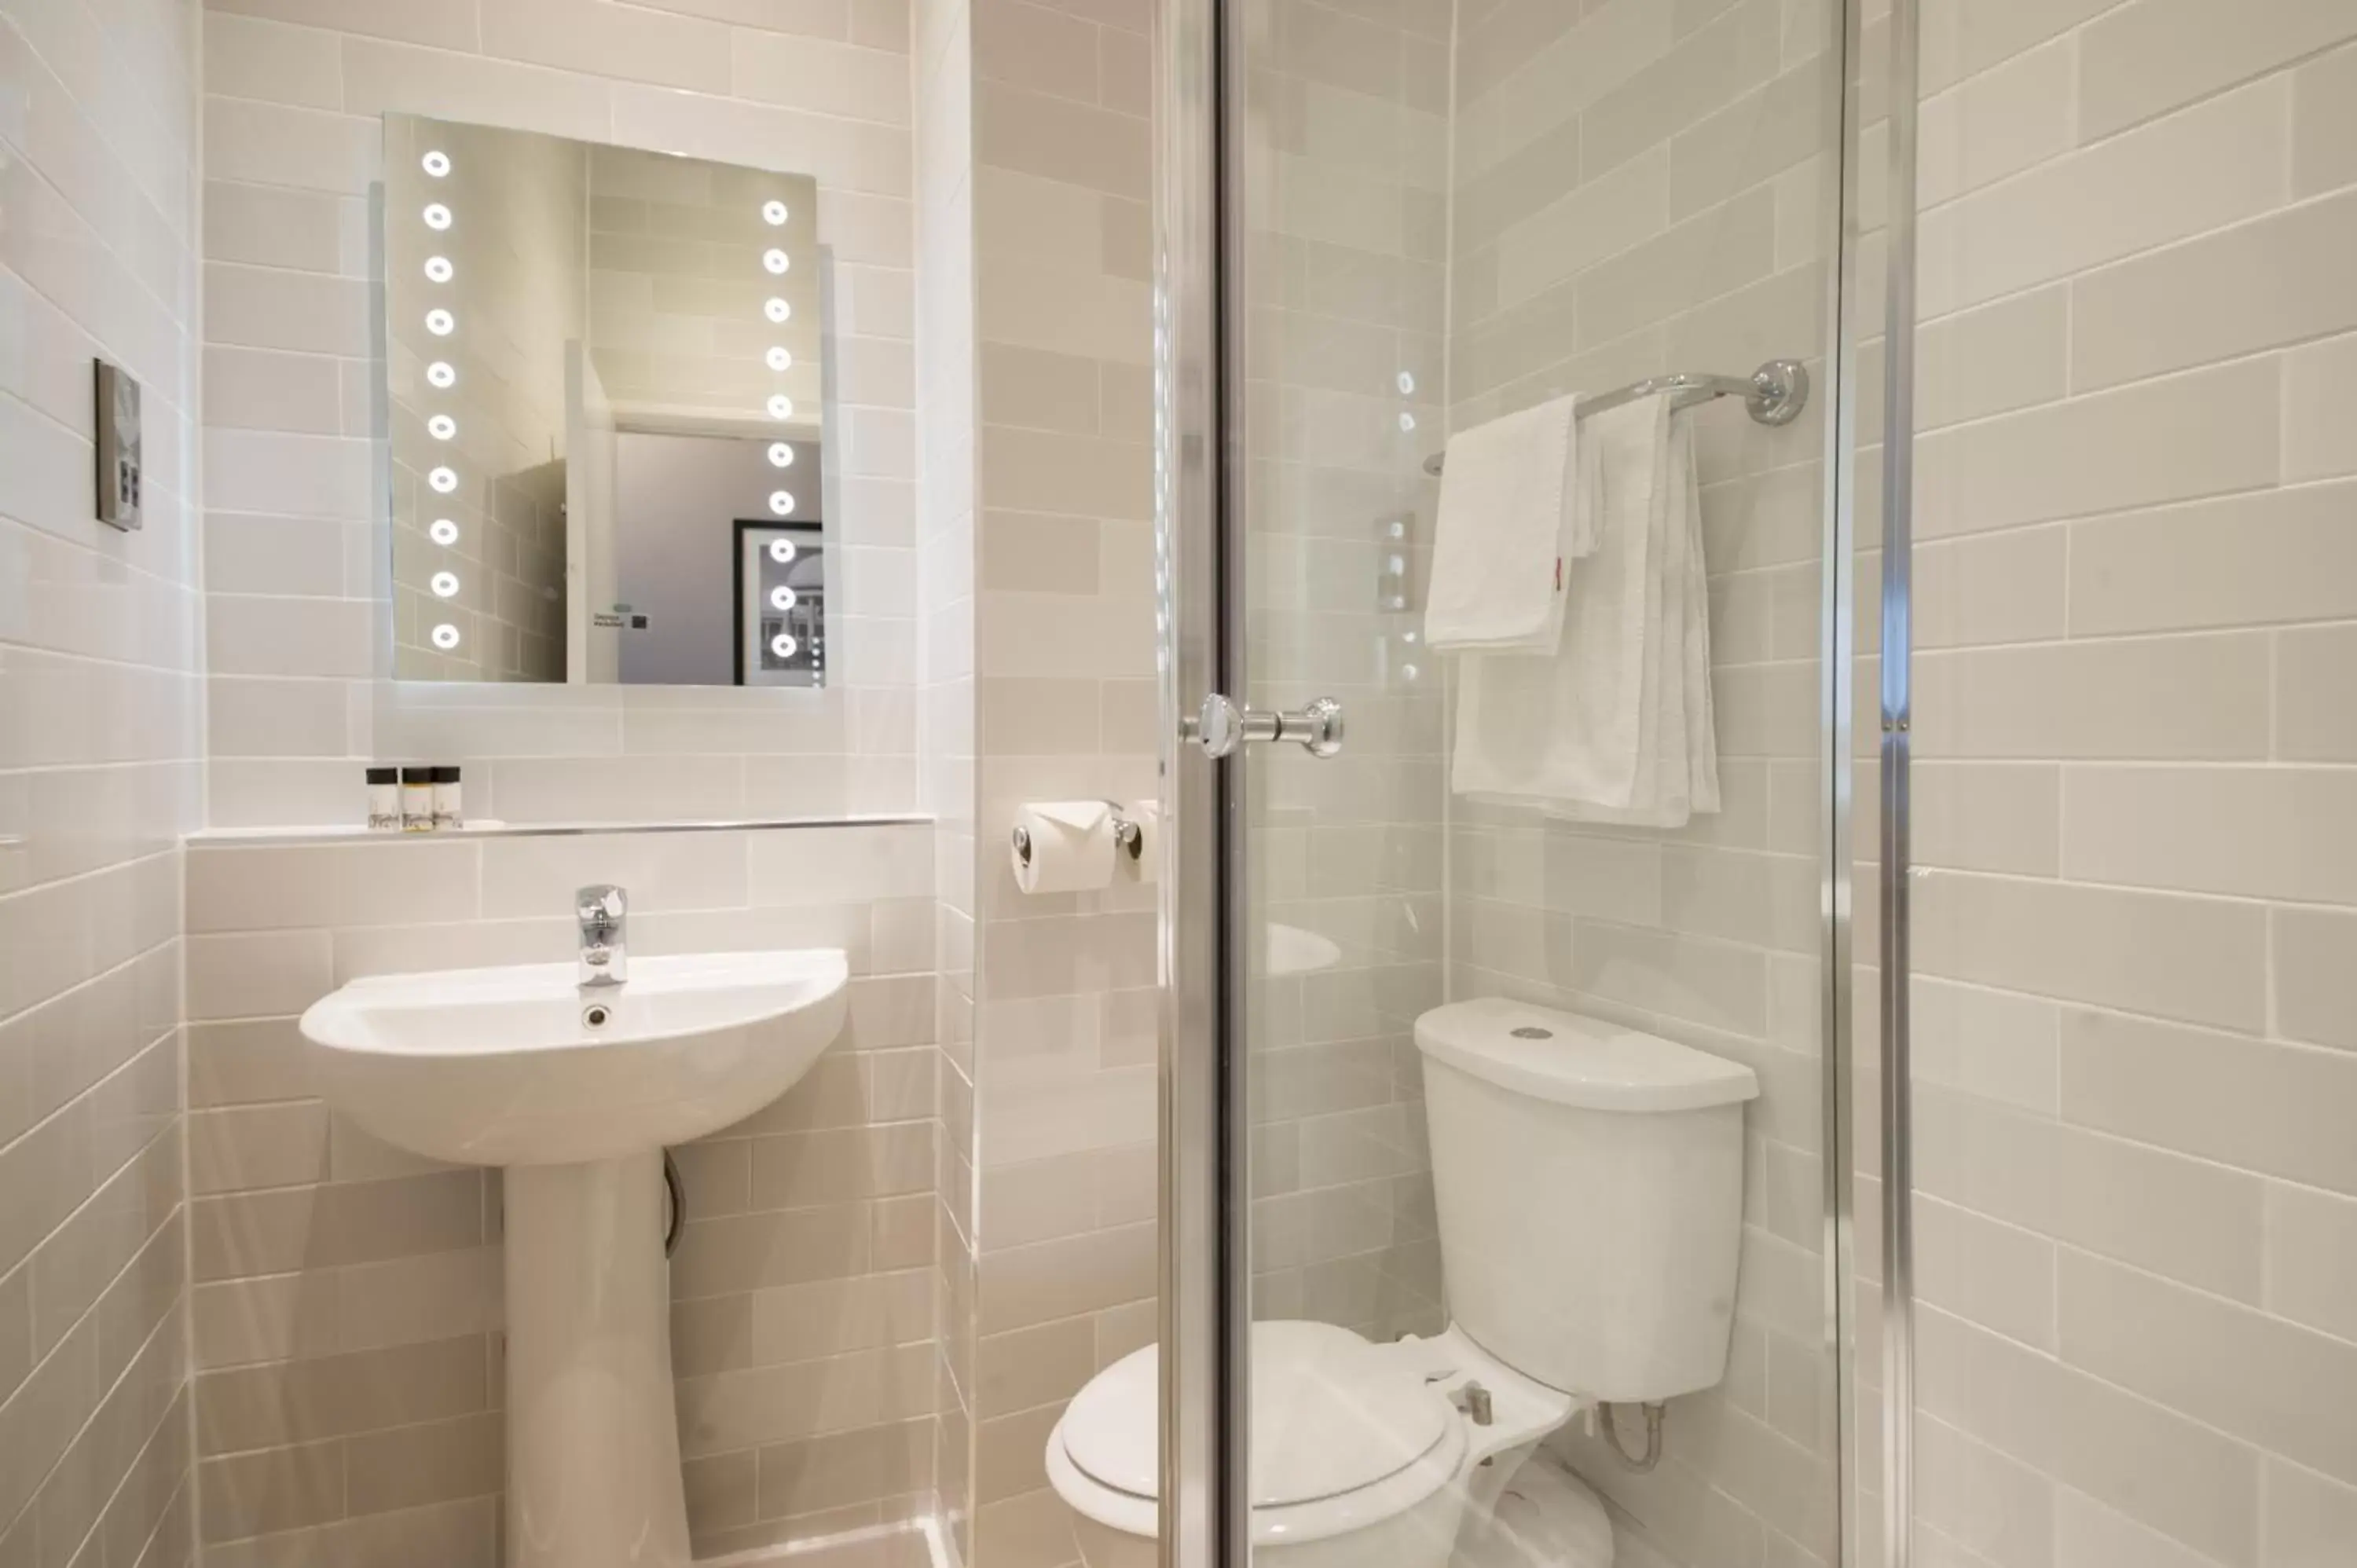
x=1203, y=1304
x=1837, y=653
x=1896, y=756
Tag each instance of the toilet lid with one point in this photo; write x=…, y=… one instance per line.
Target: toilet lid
x=1330, y=1414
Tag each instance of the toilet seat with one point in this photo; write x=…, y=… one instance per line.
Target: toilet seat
x=1346, y=1433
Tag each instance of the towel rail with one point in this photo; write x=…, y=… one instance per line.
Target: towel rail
x=1774, y=393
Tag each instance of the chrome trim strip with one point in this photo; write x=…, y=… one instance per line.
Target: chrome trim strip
x=1197, y=1228
x=1897, y=703
x=1837, y=651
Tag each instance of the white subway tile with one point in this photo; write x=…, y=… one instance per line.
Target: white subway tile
x=2199, y=960
x=2190, y=435
x=2323, y=122
x=2313, y=971
x=2260, y=833
x=2183, y=1216
x=2260, y=285
x=2223, y=160
x=2286, y=1389
x=2153, y=57
x=2254, y=1104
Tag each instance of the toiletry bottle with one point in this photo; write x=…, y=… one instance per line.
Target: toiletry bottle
x=384, y=799
x=446, y=804
x=417, y=800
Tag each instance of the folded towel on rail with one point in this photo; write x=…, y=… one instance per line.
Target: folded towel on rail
x=1511, y=523
x=1618, y=726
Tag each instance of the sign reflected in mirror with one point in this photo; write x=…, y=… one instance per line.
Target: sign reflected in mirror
x=603, y=373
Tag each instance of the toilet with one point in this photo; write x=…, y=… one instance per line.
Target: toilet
x=1590, y=1180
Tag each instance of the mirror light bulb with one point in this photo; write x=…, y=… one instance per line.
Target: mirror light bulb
x=442, y=427
x=782, y=502
x=779, y=358
x=445, y=585
x=445, y=636
x=438, y=268
x=780, y=406
x=437, y=217
x=784, y=645
x=777, y=310
x=773, y=213
x=782, y=597
x=780, y=454
x=436, y=163
x=440, y=322
x=444, y=531
x=777, y=261
x=781, y=551
x=443, y=481
x=1406, y=383
x=441, y=373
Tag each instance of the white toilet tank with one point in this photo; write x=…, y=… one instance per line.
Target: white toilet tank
x=1590, y=1188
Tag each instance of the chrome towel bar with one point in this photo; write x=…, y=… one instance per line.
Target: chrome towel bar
x=1774, y=393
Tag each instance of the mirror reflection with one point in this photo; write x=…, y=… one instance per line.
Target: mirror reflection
x=604, y=383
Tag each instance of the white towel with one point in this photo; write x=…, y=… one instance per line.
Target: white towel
x=1509, y=526
x=1618, y=726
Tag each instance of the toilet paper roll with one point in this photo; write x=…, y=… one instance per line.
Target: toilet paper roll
x=1147, y=865
x=1069, y=845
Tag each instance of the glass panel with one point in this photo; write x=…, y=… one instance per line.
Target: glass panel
x=1453, y=216
x=2133, y=916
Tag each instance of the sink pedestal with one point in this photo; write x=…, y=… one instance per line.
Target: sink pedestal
x=593, y=1430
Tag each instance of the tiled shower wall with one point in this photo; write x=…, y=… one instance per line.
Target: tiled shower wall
x=294, y=90
x=101, y=653
x=347, y=1295
x=1642, y=187
x=2137, y=794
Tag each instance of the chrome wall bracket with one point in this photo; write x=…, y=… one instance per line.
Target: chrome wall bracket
x=1222, y=727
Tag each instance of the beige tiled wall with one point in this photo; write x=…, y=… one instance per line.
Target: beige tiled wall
x=347, y=1295
x=2137, y=583
x=1064, y=706
x=293, y=92
x=1347, y=292
x=1641, y=187
x=100, y=741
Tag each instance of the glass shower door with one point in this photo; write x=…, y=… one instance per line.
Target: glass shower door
x=1465, y=1034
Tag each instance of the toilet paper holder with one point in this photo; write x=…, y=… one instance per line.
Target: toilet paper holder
x=1126, y=836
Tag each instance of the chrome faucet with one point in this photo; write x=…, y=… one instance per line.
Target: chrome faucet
x=604, y=912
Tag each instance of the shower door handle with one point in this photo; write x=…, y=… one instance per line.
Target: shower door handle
x=1222, y=727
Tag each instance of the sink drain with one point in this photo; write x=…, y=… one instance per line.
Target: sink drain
x=595, y=1015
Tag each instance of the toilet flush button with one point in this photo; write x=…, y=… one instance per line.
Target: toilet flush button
x=1533, y=1032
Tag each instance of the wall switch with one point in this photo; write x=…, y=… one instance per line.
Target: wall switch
x=119, y=478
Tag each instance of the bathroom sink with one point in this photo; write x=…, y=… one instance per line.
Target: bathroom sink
x=522, y=1066
x=576, y=1089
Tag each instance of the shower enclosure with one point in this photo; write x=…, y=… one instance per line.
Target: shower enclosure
x=2033, y=652
x=1423, y=217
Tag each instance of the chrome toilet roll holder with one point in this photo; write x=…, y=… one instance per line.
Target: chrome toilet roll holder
x=1127, y=836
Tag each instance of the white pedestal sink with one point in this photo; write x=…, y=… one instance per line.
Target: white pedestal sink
x=577, y=1091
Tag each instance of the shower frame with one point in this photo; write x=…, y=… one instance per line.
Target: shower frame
x=1205, y=1307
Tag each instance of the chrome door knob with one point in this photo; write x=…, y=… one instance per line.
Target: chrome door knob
x=1222, y=727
